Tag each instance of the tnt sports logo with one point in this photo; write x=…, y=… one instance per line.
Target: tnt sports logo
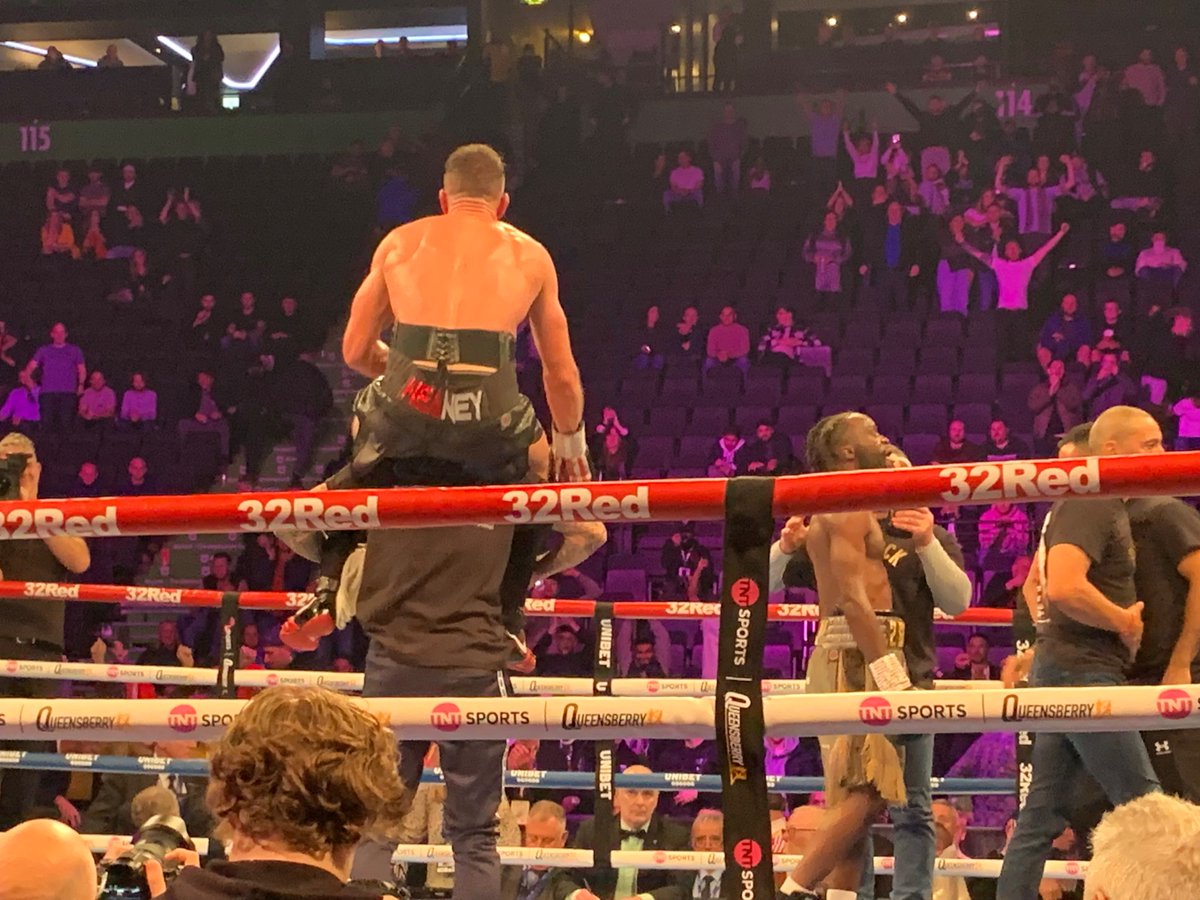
x=660, y=858
x=651, y=686
x=112, y=671
x=745, y=592
x=183, y=718
x=875, y=711
x=1072, y=868
x=446, y=717
x=747, y=853
x=272, y=680
x=12, y=665
x=1174, y=703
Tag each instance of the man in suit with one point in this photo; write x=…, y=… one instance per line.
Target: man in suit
x=545, y=827
x=973, y=665
x=635, y=827
x=707, y=836
x=110, y=812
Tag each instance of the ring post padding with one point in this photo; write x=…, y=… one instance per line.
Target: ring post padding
x=603, y=673
x=231, y=642
x=739, y=707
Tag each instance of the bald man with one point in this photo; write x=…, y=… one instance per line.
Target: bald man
x=444, y=407
x=1094, y=628
x=45, y=860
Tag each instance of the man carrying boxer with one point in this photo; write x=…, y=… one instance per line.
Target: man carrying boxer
x=859, y=646
x=1094, y=629
x=444, y=407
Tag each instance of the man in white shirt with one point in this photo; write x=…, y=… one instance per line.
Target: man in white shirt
x=948, y=831
x=686, y=183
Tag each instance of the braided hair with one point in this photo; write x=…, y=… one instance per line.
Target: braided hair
x=824, y=438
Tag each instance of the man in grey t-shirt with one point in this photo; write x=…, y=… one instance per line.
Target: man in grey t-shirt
x=62, y=370
x=1094, y=630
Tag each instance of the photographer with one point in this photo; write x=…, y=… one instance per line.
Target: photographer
x=30, y=629
x=298, y=779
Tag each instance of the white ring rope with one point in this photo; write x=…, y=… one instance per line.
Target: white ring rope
x=1076, y=709
x=352, y=682
x=686, y=860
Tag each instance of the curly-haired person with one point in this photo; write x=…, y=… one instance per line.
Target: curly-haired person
x=300, y=777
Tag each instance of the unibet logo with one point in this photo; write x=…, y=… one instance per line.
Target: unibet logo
x=1174, y=703
x=446, y=717
x=183, y=718
x=875, y=711
x=745, y=592
x=747, y=853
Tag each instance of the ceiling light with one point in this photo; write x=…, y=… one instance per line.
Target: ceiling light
x=972, y=14
x=902, y=18
x=676, y=28
x=249, y=85
x=832, y=21
x=29, y=48
x=584, y=37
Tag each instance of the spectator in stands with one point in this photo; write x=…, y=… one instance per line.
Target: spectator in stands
x=95, y=195
x=396, y=200
x=954, y=448
x=645, y=662
x=98, y=403
x=58, y=238
x=1142, y=191
x=728, y=343
x=828, y=249
x=211, y=412
x=62, y=375
x=1145, y=77
x=615, y=456
x=691, y=755
x=956, y=269
x=130, y=192
x=686, y=183
x=60, y=196
x=1001, y=445
x=300, y=393
x=110, y=59
x=708, y=829
x=864, y=155
x=636, y=826
x=1013, y=276
x=1066, y=335
x=649, y=353
x=724, y=465
x=124, y=232
x=1112, y=333
x=1169, y=354
x=938, y=126
x=545, y=828
x=1159, y=264
x=1035, y=201
x=824, y=127
x=54, y=61
x=87, y=482
x=973, y=664
x=220, y=575
x=1057, y=407
x=1003, y=589
x=758, y=179
x=8, y=363
x=288, y=332
x=791, y=756
x=768, y=453
x=949, y=829
x=685, y=561
x=1003, y=536
x=22, y=406
x=138, y=483
x=294, y=825
x=727, y=142
x=1145, y=848
x=350, y=170
x=139, y=404
x=934, y=192
x=782, y=340
x=890, y=257
x=1116, y=257
x=245, y=329
x=1108, y=386
x=207, y=328
x=1181, y=111
x=94, y=246
x=111, y=812
x=169, y=651
x=1188, y=411
x=568, y=658
x=687, y=343
x=207, y=71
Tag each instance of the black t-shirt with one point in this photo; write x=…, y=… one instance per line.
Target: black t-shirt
x=32, y=619
x=911, y=597
x=1165, y=530
x=1100, y=528
x=431, y=596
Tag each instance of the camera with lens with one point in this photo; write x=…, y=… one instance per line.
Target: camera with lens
x=12, y=467
x=125, y=877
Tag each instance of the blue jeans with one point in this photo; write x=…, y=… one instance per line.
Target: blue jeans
x=1117, y=760
x=913, y=827
x=988, y=289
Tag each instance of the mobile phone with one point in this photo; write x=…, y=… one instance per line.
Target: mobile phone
x=895, y=138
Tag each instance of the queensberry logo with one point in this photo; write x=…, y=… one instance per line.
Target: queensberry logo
x=1174, y=703
x=875, y=711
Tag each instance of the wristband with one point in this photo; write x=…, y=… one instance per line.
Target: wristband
x=890, y=674
x=570, y=446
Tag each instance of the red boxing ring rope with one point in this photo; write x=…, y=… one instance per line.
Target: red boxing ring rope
x=616, y=501
x=275, y=600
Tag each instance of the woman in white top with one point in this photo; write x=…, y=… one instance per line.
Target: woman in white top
x=1188, y=410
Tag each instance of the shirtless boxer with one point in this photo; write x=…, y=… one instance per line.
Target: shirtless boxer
x=859, y=647
x=444, y=407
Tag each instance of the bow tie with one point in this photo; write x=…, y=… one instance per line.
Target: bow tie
x=639, y=833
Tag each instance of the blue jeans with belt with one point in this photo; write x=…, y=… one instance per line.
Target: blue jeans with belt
x=1117, y=760
x=912, y=824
